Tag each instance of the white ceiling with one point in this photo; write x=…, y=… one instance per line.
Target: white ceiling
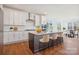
x=54, y=10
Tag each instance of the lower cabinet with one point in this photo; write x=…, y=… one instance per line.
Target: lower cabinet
x=5, y=37
x=9, y=37
x=25, y=35
x=13, y=37
x=1, y=38
x=19, y=36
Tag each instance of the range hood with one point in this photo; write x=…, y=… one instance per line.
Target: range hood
x=31, y=20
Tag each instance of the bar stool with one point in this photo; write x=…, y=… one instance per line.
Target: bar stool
x=76, y=34
x=51, y=44
x=44, y=42
x=53, y=39
x=60, y=38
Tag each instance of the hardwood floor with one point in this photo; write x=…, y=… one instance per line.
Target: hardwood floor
x=17, y=49
x=69, y=47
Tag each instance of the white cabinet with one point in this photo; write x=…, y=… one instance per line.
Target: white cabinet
x=25, y=35
x=20, y=17
x=5, y=37
x=43, y=20
x=14, y=37
x=32, y=16
x=20, y=36
x=11, y=37
x=6, y=16
x=11, y=17
x=24, y=17
x=37, y=20
x=15, y=17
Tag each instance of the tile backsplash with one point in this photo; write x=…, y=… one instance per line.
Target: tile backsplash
x=18, y=28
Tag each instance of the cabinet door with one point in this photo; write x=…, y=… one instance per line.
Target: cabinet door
x=6, y=16
x=19, y=16
x=11, y=37
x=6, y=38
x=25, y=35
x=37, y=20
x=17, y=36
x=14, y=37
x=16, y=17
x=24, y=17
x=32, y=16
x=43, y=20
x=20, y=36
x=11, y=17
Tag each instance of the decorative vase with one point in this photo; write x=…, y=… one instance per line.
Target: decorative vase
x=38, y=29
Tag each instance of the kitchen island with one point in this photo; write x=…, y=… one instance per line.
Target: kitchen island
x=34, y=38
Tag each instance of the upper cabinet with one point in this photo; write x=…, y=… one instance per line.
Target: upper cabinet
x=37, y=20
x=32, y=16
x=15, y=17
x=24, y=17
x=20, y=18
x=43, y=20
x=11, y=17
x=7, y=15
